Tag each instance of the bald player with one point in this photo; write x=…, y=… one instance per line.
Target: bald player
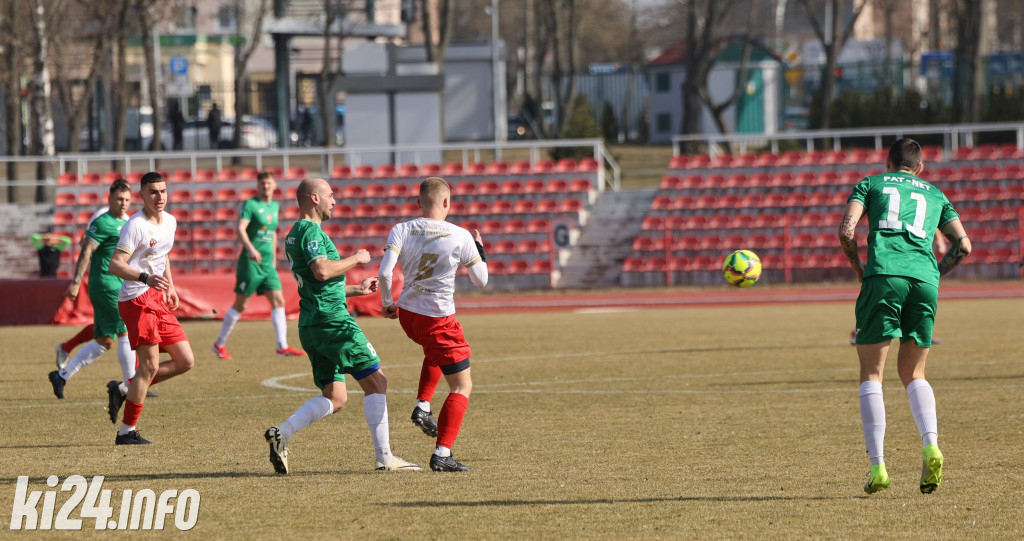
x=334, y=343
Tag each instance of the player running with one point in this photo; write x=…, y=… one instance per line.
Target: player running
x=256, y=272
x=101, y=237
x=899, y=295
x=335, y=344
x=146, y=301
x=430, y=250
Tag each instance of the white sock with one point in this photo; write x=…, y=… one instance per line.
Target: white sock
x=230, y=318
x=89, y=353
x=423, y=405
x=123, y=387
x=126, y=357
x=872, y=418
x=922, y=407
x=375, y=409
x=443, y=451
x=280, y=327
x=313, y=410
x=124, y=429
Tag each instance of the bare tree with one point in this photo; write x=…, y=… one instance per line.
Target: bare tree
x=437, y=45
x=718, y=109
x=120, y=78
x=102, y=18
x=334, y=13
x=563, y=20
x=145, y=11
x=968, y=75
x=705, y=26
x=832, y=39
x=12, y=63
x=248, y=38
x=41, y=104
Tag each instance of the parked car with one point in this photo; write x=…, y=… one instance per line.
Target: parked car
x=256, y=133
x=138, y=126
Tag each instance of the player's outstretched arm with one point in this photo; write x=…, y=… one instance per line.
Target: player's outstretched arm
x=367, y=286
x=848, y=236
x=959, y=246
x=324, y=269
x=88, y=247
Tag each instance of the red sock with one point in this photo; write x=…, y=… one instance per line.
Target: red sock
x=450, y=420
x=430, y=376
x=131, y=413
x=82, y=337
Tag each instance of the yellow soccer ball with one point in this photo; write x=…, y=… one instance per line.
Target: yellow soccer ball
x=742, y=268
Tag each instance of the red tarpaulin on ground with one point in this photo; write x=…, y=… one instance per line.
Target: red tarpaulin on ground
x=42, y=301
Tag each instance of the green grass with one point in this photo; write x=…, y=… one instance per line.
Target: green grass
x=733, y=422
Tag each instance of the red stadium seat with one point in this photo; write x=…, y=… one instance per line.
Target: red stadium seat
x=497, y=168
x=224, y=233
x=351, y=230
x=224, y=253
x=202, y=234
x=183, y=215
x=398, y=190
x=679, y=162
x=540, y=266
x=570, y=205
x=488, y=187
x=205, y=175
x=503, y=247
x=588, y=165
x=546, y=206
x=341, y=171
x=557, y=185
x=91, y=179
x=464, y=188
x=491, y=227
x=633, y=264
x=364, y=210
x=514, y=227
x=409, y=170
x=458, y=208
x=543, y=167
x=182, y=234
x=453, y=169
x=386, y=170
x=297, y=173
x=65, y=199
x=226, y=214
x=501, y=206
x=518, y=267
x=511, y=187
x=479, y=207
x=67, y=179
x=670, y=182
x=375, y=190
x=538, y=225
x=67, y=218
x=565, y=165
x=580, y=185
x=533, y=186
x=523, y=206
x=519, y=168
x=476, y=168
x=409, y=208
x=227, y=194
x=204, y=196
x=363, y=171
x=430, y=169
x=89, y=198
x=377, y=229
x=227, y=175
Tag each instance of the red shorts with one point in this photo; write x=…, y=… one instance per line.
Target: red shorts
x=441, y=337
x=149, y=321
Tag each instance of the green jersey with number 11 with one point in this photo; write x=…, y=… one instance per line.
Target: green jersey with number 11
x=903, y=212
x=319, y=302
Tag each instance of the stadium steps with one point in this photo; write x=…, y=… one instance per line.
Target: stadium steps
x=17, y=225
x=595, y=260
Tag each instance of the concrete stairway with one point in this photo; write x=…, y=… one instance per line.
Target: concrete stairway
x=595, y=260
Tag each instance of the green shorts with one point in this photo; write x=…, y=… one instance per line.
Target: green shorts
x=336, y=349
x=896, y=307
x=105, y=315
x=255, y=278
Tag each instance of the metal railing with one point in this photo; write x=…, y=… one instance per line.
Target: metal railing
x=954, y=136
x=609, y=174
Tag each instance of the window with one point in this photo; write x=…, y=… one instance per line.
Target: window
x=662, y=83
x=664, y=122
x=226, y=19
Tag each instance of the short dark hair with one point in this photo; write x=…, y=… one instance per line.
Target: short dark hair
x=264, y=174
x=120, y=185
x=151, y=178
x=905, y=154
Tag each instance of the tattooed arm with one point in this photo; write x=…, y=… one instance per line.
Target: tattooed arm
x=848, y=236
x=959, y=246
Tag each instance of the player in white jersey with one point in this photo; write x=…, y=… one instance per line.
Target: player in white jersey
x=147, y=299
x=430, y=251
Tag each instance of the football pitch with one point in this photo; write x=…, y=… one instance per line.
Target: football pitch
x=727, y=422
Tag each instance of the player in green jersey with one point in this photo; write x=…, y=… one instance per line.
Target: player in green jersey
x=97, y=248
x=335, y=344
x=899, y=296
x=256, y=273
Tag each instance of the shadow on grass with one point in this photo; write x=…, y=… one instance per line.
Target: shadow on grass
x=505, y=503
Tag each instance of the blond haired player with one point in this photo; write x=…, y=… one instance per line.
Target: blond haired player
x=430, y=250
